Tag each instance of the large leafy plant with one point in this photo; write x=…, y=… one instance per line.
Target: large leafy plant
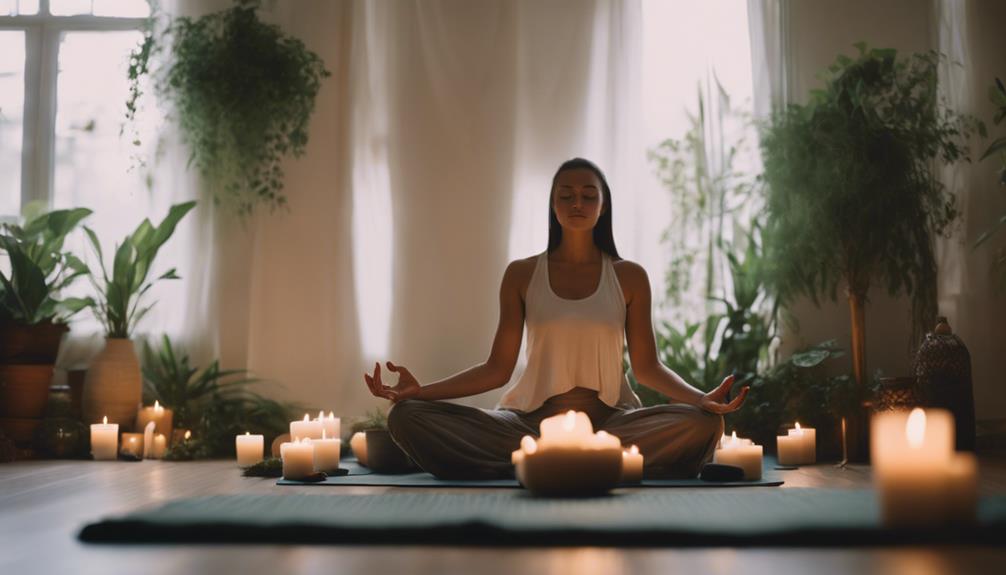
x=997, y=94
x=215, y=404
x=852, y=193
x=121, y=289
x=39, y=268
x=243, y=93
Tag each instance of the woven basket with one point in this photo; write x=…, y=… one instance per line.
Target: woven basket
x=943, y=370
x=897, y=393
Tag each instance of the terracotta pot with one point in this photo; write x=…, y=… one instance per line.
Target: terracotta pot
x=20, y=429
x=30, y=344
x=24, y=390
x=384, y=455
x=113, y=386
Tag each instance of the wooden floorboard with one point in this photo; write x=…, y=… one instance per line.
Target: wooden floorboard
x=44, y=503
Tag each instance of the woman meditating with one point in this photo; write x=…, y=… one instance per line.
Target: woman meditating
x=580, y=302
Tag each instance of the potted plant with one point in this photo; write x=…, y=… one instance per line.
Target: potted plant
x=243, y=94
x=113, y=385
x=32, y=315
x=374, y=447
x=853, y=196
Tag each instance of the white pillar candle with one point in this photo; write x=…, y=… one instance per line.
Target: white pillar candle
x=331, y=425
x=305, y=429
x=132, y=444
x=921, y=480
x=746, y=456
x=632, y=465
x=798, y=446
x=326, y=454
x=249, y=448
x=569, y=458
x=105, y=439
x=162, y=417
x=298, y=459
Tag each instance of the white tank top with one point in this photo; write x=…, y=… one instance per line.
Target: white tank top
x=572, y=343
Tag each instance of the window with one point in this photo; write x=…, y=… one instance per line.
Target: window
x=63, y=88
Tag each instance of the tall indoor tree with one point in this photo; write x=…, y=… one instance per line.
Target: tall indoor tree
x=853, y=187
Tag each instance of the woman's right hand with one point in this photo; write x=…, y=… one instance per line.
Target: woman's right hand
x=407, y=387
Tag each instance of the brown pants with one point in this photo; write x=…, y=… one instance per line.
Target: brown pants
x=459, y=442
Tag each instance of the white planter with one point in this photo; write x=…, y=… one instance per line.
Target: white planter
x=113, y=386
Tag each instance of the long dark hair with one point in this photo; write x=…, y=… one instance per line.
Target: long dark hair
x=604, y=239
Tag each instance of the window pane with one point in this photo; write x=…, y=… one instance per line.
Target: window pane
x=117, y=8
x=18, y=7
x=11, y=115
x=69, y=7
x=122, y=8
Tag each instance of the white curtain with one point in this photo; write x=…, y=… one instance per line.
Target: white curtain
x=431, y=153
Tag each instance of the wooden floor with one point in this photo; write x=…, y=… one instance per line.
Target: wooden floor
x=44, y=503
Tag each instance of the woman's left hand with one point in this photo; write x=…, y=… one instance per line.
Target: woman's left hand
x=716, y=400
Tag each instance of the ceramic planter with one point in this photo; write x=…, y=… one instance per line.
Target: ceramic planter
x=113, y=386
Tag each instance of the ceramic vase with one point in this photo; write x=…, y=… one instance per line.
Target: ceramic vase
x=113, y=386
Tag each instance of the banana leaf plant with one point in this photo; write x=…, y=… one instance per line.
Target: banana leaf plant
x=39, y=268
x=120, y=292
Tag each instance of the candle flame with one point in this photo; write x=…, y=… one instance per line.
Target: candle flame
x=798, y=425
x=331, y=415
x=188, y=434
x=733, y=438
x=306, y=418
x=915, y=428
x=104, y=420
x=634, y=450
x=132, y=440
x=528, y=444
x=247, y=433
x=570, y=422
x=321, y=415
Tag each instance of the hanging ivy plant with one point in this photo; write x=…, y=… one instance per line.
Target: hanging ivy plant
x=242, y=92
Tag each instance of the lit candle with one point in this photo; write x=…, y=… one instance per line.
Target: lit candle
x=747, y=456
x=298, y=459
x=132, y=444
x=632, y=465
x=921, y=480
x=326, y=453
x=104, y=439
x=249, y=449
x=569, y=459
x=305, y=429
x=331, y=425
x=798, y=446
x=358, y=443
x=162, y=417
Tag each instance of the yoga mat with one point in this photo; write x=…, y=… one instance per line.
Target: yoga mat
x=664, y=518
x=359, y=475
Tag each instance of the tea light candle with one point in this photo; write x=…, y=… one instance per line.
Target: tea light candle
x=132, y=444
x=358, y=443
x=746, y=456
x=306, y=428
x=331, y=425
x=632, y=465
x=249, y=449
x=798, y=446
x=569, y=459
x=921, y=480
x=298, y=459
x=162, y=417
x=326, y=453
x=104, y=439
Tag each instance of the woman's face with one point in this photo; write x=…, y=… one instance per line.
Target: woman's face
x=577, y=199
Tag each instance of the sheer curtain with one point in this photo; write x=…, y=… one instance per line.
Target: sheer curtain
x=431, y=153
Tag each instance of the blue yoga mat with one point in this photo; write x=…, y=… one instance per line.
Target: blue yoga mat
x=359, y=475
x=663, y=518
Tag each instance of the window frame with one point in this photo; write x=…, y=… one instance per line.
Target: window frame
x=43, y=32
